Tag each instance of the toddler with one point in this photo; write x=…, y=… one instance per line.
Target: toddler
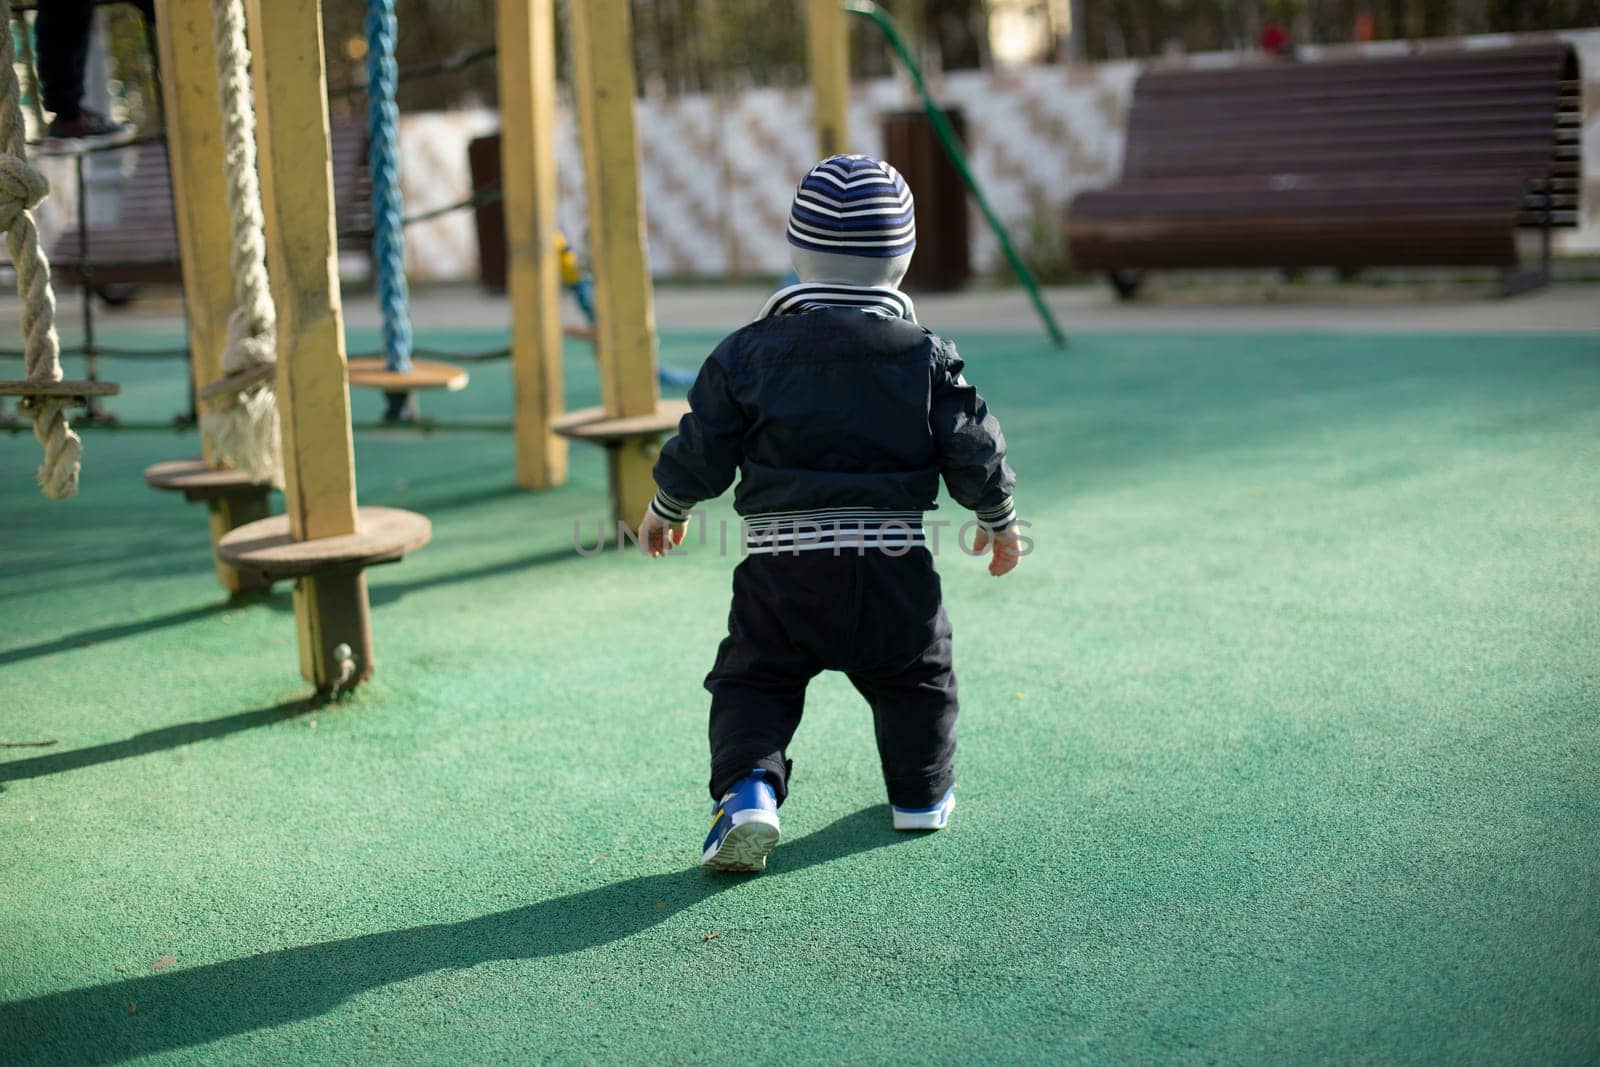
x=839, y=414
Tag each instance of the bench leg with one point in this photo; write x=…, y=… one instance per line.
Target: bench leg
x=1544, y=237
x=1125, y=282
x=1515, y=282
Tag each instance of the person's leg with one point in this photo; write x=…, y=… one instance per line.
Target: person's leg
x=914, y=717
x=758, y=684
x=903, y=668
x=62, y=29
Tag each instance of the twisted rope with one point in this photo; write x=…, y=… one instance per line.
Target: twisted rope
x=383, y=162
x=21, y=189
x=244, y=434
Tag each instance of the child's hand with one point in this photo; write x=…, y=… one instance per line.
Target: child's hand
x=654, y=534
x=1007, y=548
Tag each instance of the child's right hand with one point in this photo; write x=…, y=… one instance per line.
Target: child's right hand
x=1007, y=548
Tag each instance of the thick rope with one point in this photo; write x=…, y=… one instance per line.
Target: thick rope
x=21, y=189
x=383, y=163
x=245, y=433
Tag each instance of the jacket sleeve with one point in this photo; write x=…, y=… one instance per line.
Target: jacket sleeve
x=972, y=450
x=700, y=462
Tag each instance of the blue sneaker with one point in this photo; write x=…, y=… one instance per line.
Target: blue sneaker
x=744, y=827
x=933, y=817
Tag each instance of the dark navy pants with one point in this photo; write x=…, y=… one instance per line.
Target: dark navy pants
x=878, y=618
x=62, y=29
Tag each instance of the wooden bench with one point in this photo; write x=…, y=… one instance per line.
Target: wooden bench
x=142, y=246
x=1432, y=159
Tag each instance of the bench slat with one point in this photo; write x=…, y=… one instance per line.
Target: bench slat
x=142, y=246
x=1428, y=159
x=1552, y=59
x=1477, y=237
x=1398, y=111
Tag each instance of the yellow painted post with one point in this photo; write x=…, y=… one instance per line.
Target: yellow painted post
x=200, y=199
x=625, y=328
x=295, y=159
x=527, y=68
x=828, y=55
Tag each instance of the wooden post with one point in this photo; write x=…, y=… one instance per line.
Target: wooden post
x=291, y=102
x=200, y=202
x=527, y=63
x=625, y=329
x=828, y=54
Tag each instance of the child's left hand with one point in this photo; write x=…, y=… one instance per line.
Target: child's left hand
x=1007, y=545
x=657, y=536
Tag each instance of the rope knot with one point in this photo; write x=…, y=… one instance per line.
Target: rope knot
x=21, y=188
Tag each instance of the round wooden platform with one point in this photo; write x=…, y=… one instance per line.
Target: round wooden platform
x=196, y=481
x=368, y=373
x=266, y=546
x=579, y=333
x=79, y=389
x=592, y=424
x=237, y=383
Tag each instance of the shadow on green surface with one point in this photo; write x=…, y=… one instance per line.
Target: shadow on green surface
x=88, y=638
x=24, y=579
x=143, y=744
x=383, y=593
x=278, y=600
x=390, y=591
x=470, y=498
x=184, y=1008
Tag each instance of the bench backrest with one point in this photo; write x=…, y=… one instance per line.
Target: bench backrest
x=143, y=244
x=1514, y=110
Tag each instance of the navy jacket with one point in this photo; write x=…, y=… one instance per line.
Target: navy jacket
x=839, y=413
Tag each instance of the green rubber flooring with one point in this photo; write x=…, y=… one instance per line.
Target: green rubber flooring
x=1281, y=747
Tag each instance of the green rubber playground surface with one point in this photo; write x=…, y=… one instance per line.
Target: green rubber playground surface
x=1281, y=747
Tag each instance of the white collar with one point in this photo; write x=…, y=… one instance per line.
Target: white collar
x=813, y=296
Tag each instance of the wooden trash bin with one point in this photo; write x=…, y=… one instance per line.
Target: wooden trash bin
x=943, y=260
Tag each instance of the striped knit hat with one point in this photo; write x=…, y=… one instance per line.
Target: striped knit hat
x=854, y=206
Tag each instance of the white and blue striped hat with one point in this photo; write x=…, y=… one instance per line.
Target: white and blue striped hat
x=854, y=206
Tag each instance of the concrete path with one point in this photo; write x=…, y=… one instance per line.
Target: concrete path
x=1403, y=309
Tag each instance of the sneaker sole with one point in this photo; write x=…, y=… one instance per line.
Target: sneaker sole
x=744, y=849
x=937, y=819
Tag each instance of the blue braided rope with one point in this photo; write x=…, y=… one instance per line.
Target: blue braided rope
x=583, y=293
x=383, y=162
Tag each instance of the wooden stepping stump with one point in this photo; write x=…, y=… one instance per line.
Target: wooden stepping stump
x=332, y=572
x=386, y=535
x=370, y=373
x=232, y=499
x=618, y=436
x=238, y=382
x=197, y=481
x=78, y=391
x=592, y=424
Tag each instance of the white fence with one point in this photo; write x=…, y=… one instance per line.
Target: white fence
x=718, y=170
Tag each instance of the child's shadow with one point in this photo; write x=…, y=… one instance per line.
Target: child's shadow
x=186, y=1007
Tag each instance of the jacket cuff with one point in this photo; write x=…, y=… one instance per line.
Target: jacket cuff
x=999, y=516
x=670, y=508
